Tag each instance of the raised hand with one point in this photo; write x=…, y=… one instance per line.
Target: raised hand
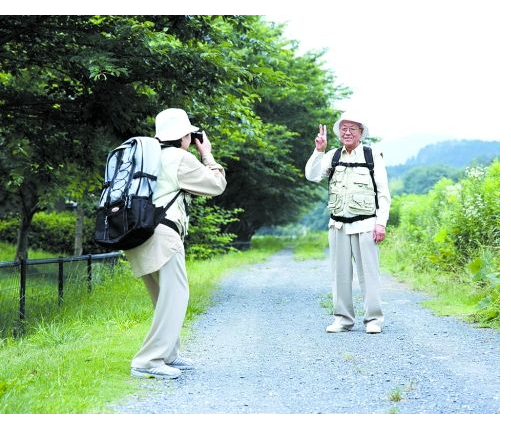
x=205, y=146
x=321, y=139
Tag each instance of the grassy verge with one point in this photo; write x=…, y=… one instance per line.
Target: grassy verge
x=453, y=293
x=8, y=252
x=312, y=246
x=78, y=362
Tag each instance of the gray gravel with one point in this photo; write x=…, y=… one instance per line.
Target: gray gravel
x=262, y=348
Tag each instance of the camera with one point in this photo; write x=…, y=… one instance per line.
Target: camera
x=197, y=137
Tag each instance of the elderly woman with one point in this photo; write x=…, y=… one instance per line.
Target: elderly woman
x=160, y=261
x=359, y=202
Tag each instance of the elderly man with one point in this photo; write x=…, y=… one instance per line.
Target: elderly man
x=359, y=203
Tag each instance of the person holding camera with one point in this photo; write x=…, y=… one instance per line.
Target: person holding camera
x=160, y=261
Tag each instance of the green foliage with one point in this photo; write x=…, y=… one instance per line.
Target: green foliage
x=455, y=228
x=421, y=179
x=52, y=232
x=206, y=237
x=311, y=246
x=8, y=252
x=73, y=87
x=446, y=159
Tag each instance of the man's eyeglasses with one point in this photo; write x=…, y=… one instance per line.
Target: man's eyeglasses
x=351, y=129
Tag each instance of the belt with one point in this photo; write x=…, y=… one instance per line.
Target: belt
x=351, y=219
x=171, y=224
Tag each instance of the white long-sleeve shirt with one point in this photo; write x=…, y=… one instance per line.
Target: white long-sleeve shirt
x=318, y=168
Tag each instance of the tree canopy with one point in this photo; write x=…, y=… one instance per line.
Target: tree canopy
x=73, y=87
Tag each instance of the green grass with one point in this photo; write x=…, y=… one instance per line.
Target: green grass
x=311, y=246
x=8, y=253
x=78, y=361
x=395, y=395
x=452, y=293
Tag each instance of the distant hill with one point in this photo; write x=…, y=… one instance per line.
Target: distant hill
x=456, y=154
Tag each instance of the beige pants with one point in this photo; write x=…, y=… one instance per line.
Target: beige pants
x=362, y=248
x=169, y=292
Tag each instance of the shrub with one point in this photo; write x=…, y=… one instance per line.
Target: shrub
x=455, y=227
x=55, y=231
x=449, y=225
x=205, y=235
x=52, y=232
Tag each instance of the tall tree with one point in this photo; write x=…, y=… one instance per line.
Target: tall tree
x=72, y=87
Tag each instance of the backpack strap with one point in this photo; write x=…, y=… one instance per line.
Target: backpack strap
x=368, y=155
x=172, y=201
x=140, y=174
x=335, y=163
x=164, y=220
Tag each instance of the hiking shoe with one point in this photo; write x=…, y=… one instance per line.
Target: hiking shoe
x=160, y=372
x=373, y=328
x=336, y=326
x=181, y=363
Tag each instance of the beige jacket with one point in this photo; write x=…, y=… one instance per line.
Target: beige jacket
x=180, y=170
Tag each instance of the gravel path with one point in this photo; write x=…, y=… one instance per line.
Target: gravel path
x=262, y=348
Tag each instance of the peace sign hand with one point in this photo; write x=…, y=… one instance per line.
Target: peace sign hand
x=321, y=141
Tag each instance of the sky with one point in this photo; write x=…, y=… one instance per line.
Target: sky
x=420, y=71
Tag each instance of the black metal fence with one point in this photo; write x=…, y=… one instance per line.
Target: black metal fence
x=34, y=288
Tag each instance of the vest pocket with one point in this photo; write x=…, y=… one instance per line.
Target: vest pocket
x=361, y=176
x=362, y=204
x=334, y=203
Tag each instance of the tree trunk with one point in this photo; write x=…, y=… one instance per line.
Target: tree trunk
x=29, y=205
x=243, y=230
x=79, y=230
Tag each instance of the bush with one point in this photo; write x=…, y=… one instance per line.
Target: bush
x=52, y=232
x=450, y=225
x=455, y=227
x=55, y=231
x=205, y=235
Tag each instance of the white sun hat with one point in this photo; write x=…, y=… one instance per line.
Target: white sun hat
x=351, y=117
x=172, y=124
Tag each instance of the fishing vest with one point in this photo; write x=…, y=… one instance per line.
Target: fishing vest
x=168, y=186
x=352, y=193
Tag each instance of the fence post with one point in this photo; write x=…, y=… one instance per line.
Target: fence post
x=61, y=280
x=89, y=273
x=23, y=289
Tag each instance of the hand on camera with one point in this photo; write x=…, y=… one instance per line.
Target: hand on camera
x=205, y=146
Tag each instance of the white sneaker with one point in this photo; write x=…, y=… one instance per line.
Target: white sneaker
x=336, y=326
x=373, y=328
x=181, y=363
x=160, y=372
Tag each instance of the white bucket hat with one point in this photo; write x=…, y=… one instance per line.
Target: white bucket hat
x=172, y=124
x=351, y=118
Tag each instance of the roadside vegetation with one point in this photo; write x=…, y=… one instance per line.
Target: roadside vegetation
x=314, y=245
x=447, y=243
x=78, y=360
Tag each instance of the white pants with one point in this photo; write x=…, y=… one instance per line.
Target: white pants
x=362, y=248
x=169, y=292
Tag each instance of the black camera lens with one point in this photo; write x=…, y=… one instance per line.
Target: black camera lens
x=197, y=137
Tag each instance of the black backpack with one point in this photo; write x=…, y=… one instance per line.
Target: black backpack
x=126, y=216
